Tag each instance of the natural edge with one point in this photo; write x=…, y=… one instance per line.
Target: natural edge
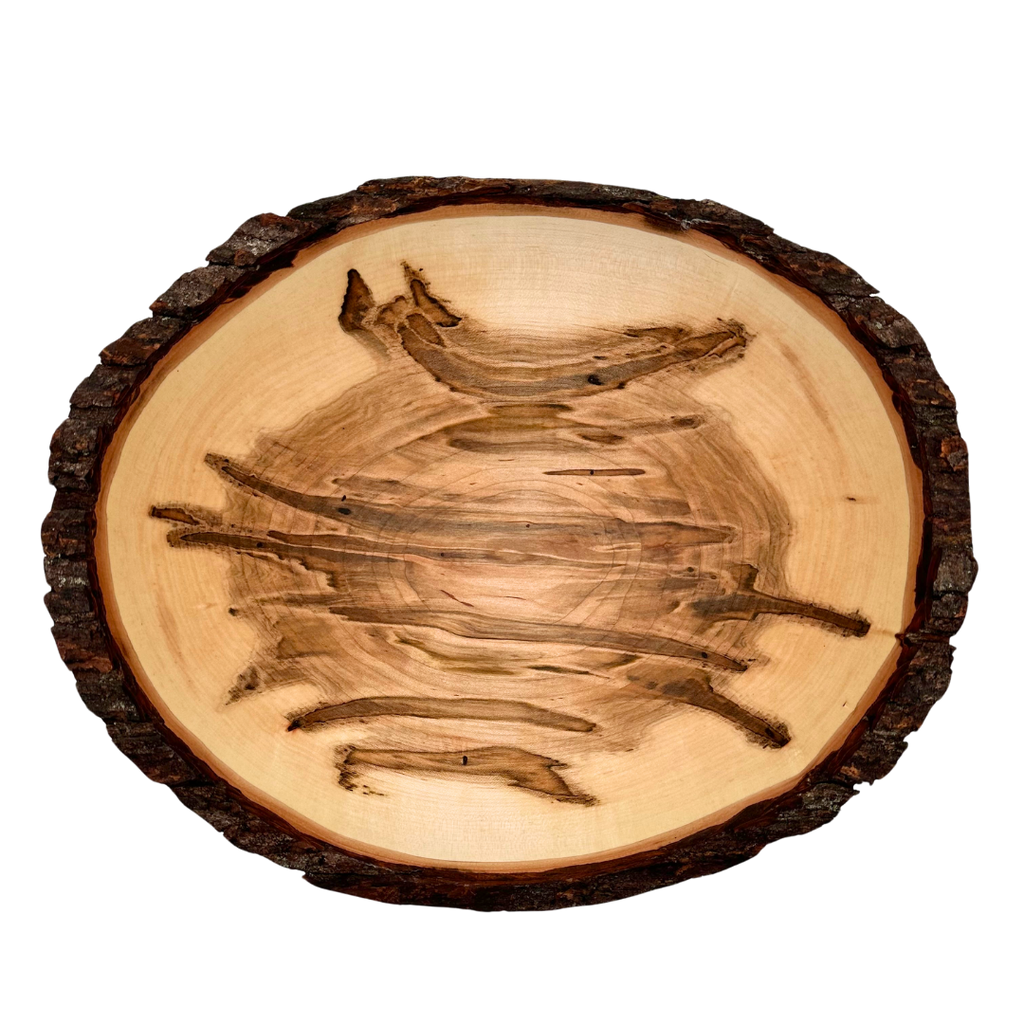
x=267, y=243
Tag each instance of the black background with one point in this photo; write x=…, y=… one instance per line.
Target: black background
x=896, y=853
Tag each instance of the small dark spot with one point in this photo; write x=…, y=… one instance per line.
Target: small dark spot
x=593, y=379
x=621, y=386
x=704, y=654
x=848, y=498
x=344, y=496
x=600, y=357
x=465, y=760
x=345, y=511
x=232, y=611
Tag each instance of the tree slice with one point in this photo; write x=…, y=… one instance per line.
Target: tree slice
x=511, y=544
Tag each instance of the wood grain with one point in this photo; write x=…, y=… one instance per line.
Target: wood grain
x=306, y=580
x=688, y=582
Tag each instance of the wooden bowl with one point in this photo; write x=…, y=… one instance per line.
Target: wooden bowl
x=511, y=544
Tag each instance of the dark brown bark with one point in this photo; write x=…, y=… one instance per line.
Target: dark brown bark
x=268, y=242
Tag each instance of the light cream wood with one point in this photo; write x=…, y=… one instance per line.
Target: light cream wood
x=565, y=666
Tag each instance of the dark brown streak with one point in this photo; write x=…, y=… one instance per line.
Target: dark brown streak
x=516, y=546
x=699, y=693
x=512, y=765
x=748, y=603
x=330, y=508
x=462, y=624
x=652, y=534
x=483, y=710
x=569, y=380
x=316, y=559
x=544, y=427
x=482, y=627
x=357, y=311
x=594, y=472
x=356, y=515
x=417, y=330
x=176, y=515
x=435, y=310
x=358, y=303
x=561, y=670
x=325, y=552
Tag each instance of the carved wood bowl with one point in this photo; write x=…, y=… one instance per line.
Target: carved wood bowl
x=512, y=544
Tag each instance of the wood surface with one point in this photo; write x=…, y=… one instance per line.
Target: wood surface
x=230, y=479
